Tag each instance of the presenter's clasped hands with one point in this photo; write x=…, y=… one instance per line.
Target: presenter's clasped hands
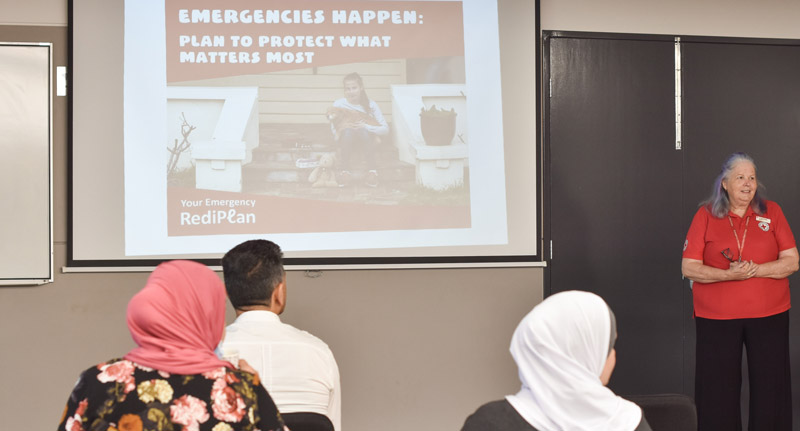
x=742, y=270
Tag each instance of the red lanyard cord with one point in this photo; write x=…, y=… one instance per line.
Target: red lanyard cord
x=736, y=235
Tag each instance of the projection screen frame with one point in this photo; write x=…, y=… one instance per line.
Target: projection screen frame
x=535, y=259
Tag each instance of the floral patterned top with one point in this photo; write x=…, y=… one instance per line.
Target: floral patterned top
x=120, y=395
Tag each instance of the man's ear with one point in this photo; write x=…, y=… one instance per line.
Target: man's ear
x=279, y=296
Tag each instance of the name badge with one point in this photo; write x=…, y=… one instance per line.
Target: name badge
x=764, y=219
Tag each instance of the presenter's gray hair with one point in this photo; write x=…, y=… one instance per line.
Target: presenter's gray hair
x=719, y=203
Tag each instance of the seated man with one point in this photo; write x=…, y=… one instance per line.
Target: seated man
x=297, y=368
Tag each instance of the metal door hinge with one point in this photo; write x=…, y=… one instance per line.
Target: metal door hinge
x=678, y=94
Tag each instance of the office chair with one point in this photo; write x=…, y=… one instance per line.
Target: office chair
x=668, y=412
x=302, y=421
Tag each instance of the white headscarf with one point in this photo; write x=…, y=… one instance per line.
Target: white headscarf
x=560, y=348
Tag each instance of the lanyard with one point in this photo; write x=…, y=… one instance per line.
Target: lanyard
x=736, y=235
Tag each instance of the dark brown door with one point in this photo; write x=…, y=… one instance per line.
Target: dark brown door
x=745, y=96
x=619, y=196
x=615, y=183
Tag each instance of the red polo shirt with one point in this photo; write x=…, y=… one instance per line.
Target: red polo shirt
x=767, y=235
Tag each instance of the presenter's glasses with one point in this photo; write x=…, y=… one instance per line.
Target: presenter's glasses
x=728, y=255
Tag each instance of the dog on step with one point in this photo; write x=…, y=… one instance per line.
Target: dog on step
x=343, y=118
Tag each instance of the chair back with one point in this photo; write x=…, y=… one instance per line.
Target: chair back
x=303, y=421
x=668, y=412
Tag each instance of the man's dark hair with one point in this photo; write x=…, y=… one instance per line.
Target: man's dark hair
x=252, y=270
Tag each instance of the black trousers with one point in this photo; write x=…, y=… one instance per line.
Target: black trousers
x=718, y=373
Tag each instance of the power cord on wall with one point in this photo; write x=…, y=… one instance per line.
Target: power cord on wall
x=313, y=273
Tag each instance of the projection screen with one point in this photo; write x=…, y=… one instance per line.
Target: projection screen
x=349, y=132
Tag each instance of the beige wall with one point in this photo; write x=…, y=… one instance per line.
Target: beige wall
x=417, y=349
x=740, y=18
x=33, y=12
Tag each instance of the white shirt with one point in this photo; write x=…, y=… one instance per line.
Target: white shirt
x=297, y=368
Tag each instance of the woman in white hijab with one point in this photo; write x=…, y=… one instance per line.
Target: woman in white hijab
x=564, y=349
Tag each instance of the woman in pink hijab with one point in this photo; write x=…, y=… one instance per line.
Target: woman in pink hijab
x=173, y=380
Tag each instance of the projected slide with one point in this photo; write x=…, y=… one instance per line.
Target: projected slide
x=319, y=124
